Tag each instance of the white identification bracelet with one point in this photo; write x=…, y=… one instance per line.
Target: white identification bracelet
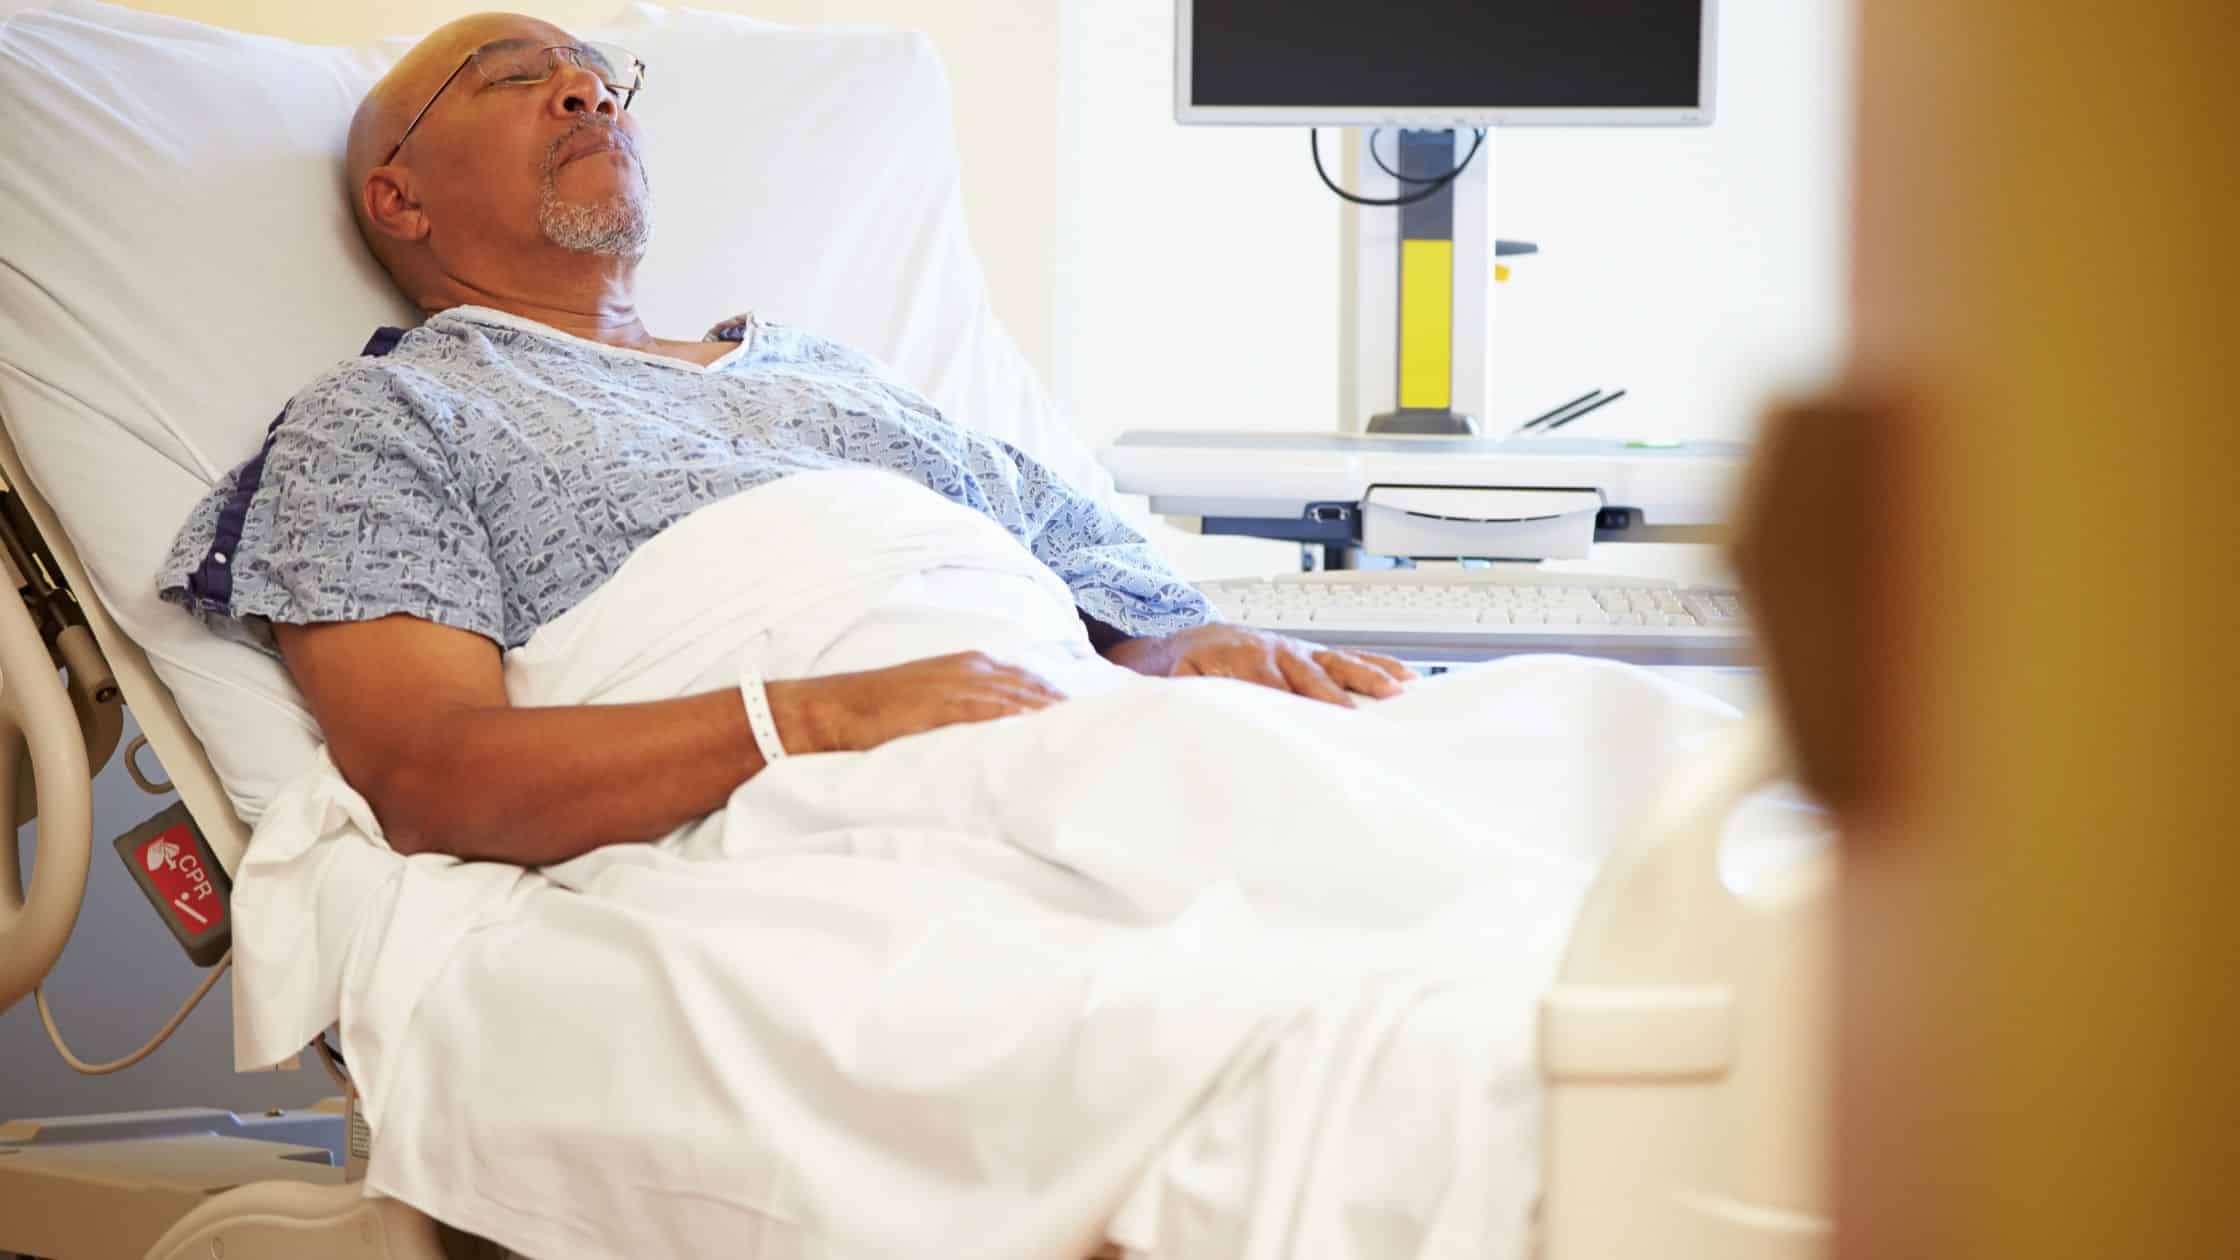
x=759, y=721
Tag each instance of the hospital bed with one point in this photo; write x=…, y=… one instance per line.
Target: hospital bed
x=1683, y=1047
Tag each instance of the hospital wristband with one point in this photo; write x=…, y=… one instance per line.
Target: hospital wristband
x=759, y=720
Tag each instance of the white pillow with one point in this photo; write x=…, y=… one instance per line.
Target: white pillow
x=177, y=258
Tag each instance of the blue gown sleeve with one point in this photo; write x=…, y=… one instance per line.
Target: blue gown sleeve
x=349, y=512
x=1116, y=575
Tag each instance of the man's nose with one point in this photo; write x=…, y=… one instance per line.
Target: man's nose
x=576, y=90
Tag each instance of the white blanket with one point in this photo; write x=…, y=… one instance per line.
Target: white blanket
x=1207, y=969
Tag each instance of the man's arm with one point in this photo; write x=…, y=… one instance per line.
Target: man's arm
x=416, y=718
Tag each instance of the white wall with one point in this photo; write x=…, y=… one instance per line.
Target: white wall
x=1197, y=282
x=1700, y=268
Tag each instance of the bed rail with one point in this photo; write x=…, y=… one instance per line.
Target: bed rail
x=1685, y=1044
x=55, y=735
x=60, y=622
x=38, y=716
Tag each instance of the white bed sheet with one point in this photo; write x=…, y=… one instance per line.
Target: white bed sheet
x=1239, y=974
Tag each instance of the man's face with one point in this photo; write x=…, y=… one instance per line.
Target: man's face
x=500, y=161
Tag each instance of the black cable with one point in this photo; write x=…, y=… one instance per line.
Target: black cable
x=1405, y=179
x=1432, y=188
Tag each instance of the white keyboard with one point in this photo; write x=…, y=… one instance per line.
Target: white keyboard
x=1474, y=614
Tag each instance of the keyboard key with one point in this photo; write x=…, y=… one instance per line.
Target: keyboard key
x=1383, y=616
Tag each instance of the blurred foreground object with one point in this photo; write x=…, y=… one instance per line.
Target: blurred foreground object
x=1992, y=579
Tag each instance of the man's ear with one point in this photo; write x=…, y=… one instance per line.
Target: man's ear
x=390, y=207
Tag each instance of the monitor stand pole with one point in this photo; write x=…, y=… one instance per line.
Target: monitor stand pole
x=1415, y=285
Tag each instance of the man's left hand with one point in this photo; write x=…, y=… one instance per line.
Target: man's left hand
x=1222, y=650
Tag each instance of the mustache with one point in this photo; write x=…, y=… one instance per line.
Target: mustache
x=591, y=122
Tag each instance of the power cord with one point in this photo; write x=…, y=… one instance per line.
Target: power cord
x=1378, y=158
x=163, y=1034
x=1432, y=184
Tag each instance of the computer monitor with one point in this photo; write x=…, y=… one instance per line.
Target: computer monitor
x=1444, y=64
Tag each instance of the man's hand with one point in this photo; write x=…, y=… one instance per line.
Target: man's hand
x=852, y=712
x=1222, y=650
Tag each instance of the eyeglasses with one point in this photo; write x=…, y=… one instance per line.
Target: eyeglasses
x=525, y=62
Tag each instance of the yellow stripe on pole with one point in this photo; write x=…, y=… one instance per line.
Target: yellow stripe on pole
x=1426, y=323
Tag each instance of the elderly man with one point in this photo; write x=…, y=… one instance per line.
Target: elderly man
x=420, y=510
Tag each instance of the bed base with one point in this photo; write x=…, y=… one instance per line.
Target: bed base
x=201, y=1182
x=194, y=1183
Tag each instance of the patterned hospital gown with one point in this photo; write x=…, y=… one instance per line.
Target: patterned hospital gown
x=488, y=473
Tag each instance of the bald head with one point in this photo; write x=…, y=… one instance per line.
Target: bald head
x=388, y=108
x=493, y=172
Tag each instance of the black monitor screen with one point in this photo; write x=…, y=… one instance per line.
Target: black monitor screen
x=1489, y=54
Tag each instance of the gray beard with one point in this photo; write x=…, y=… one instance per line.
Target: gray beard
x=620, y=226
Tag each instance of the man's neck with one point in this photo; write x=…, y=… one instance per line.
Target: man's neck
x=613, y=326
x=602, y=306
